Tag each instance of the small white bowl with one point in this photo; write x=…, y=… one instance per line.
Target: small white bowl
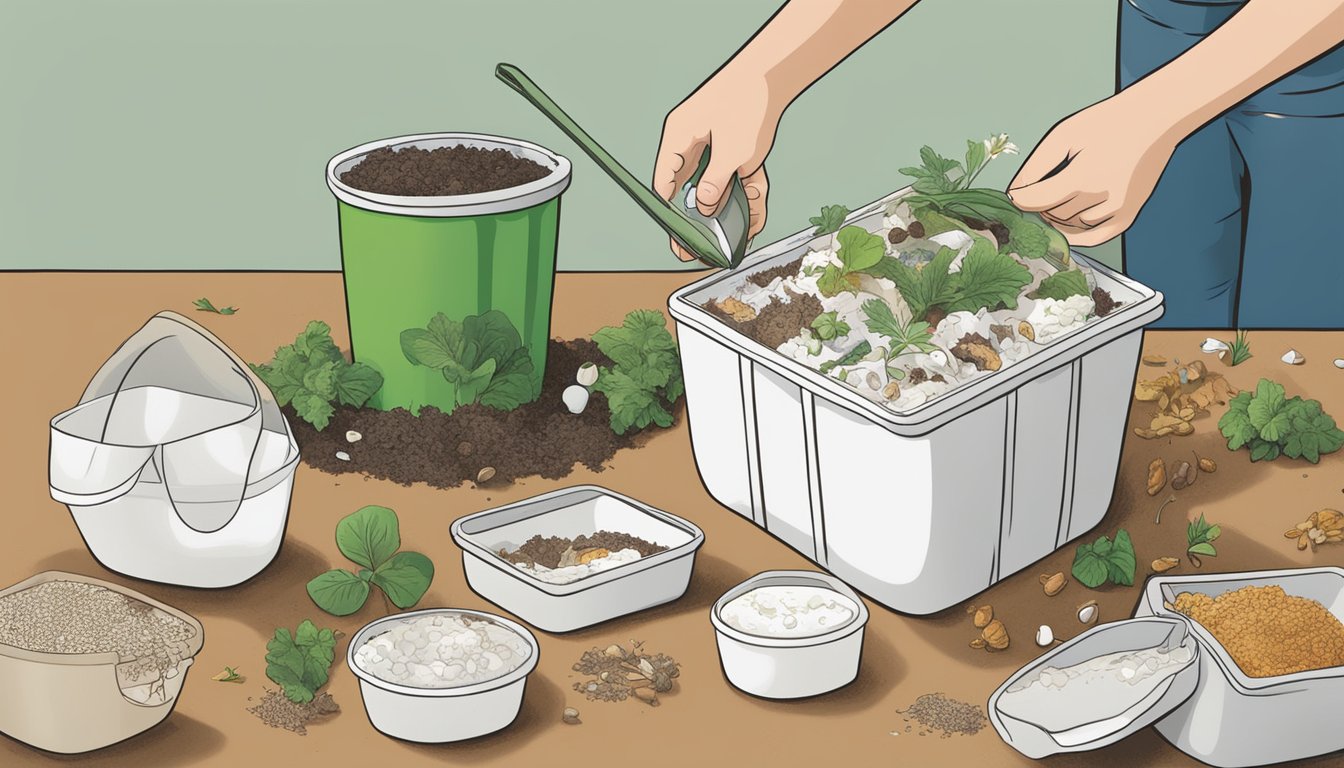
x=790, y=667
x=439, y=715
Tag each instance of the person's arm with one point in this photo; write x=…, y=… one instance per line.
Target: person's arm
x=1116, y=149
x=737, y=110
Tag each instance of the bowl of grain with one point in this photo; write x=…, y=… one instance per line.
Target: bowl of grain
x=88, y=663
x=442, y=674
x=789, y=634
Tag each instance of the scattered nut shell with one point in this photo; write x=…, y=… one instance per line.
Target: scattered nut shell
x=873, y=380
x=1026, y=330
x=892, y=390
x=1207, y=465
x=1157, y=477
x=353, y=437
x=1183, y=476
x=485, y=475
x=1339, y=362
x=995, y=635
x=587, y=375
x=342, y=455
x=1157, y=361
x=1045, y=636
x=570, y=716
x=1293, y=357
x=1087, y=612
x=1053, y=583
x=1164, y=564
x=982, y=615
x=575, y=397
x=1214, y=345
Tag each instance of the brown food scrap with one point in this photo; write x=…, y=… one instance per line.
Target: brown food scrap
x=737, y=310
x=1183, y=476
x=1157, y=361
x=1157, y=477
x=1268, y=632
x=1053, y=584
x=1026, y=330
x=976, y=349
x=981, y=615
x=1001, y=332
x=993, y=637
x=1180, y=396
x=918, y=375
x=1323, y=526
x=1207, y=465
x=1164, y=564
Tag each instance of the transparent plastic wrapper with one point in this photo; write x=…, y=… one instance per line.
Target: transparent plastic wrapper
x=176, y=464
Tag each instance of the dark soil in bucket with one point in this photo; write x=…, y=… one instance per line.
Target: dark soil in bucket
x=445, y=450
x=460, y=170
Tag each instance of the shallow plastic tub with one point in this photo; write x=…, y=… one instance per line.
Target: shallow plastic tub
x=923, y=508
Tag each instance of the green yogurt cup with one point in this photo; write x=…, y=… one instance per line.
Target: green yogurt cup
x=404, y=259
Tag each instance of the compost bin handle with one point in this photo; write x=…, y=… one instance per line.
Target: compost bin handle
x=691, y=234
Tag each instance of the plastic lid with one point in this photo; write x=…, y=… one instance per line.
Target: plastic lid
x=1039, y=717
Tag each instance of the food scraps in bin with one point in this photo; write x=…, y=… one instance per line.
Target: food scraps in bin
x=1053, y=583
x=557, y=560
x=277, y=711
x=229, y=675
x=74, y=617
x=938, y=714
x=788, y=610
x=1105, y=560
x=618, y=673
x=1179, y=396
x=1326, y=525
x=1199, y=538
x=439, y=650
x=1266, y=631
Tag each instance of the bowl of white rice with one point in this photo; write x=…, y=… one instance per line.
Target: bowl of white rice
x=442, y=674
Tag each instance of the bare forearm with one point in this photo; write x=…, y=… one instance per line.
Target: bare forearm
x=1264, y=41
x=806, y=39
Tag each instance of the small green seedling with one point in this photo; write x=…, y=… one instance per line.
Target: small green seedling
x=370, y=537
x=1239, y=349
x=645, y=382
x=299, y=663
x=1199, y=538
x=830, y=220
x=1106, y=560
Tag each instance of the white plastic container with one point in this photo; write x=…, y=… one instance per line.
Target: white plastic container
x=582, y=510
x=790, y=667
x=72, y=703
x=923, y=508
x=177, y=464
x=1212, y=711
x=440, y=715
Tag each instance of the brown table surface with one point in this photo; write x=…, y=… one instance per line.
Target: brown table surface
x=58, y=328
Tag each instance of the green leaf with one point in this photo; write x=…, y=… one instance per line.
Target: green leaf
x=1120, y=561
x=205, y=305
x=314, y=409
x=828, y=326
x=989, y=279
x=935, y=163
x=338, y=592
x=975, y=159
x=405, y=578
x=833, y=281
x=632, y=405
x=1089, y=568
x=932, y=286
x=881, y=320
x=356, y=383
x=1263, y=450
x=1236, y=424
x=646, y=377
x=859, y=249
x=321, y=381
x=299, y=663
x=369, y=536
x=850, y=358
x=1062, y=285
x=1203, y=548
x=832, y=216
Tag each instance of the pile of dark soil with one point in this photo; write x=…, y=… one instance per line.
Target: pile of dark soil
x=460, y=170
x=546, y=551
x=277, y=711
x=777, y=322
x=540, y=438
x=1105, y=303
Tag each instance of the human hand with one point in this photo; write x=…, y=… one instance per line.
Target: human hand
x=734, y=118
x=1109, y=157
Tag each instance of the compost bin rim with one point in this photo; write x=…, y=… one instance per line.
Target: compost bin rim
x=939, y=411
x=504, y=200
x=194, y=644
x=368, y=632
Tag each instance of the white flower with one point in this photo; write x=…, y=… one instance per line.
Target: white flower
x=999, y=145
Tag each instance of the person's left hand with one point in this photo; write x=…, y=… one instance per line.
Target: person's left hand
x=1112, y=155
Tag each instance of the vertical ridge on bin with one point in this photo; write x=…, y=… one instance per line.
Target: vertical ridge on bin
x=745, y=372
x=1070, y=457
x=814, y=478
x=1009, y=456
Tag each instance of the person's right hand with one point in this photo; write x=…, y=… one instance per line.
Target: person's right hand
x=734, y=118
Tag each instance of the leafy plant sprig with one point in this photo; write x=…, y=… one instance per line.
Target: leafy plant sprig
x=1199, y=538
x=828, y=325
x=830, y=219
x=1105, y=560
x=853, y=356
x=205, y=305
x=370, y=537
x=299, y=663
x=645, y=380
x=859, y=251
x=987, y=278
x=1061, y=285
x=1270, y=425
x=914, y=336
x=483, y=357
x=1240, y=349
x=311, y=374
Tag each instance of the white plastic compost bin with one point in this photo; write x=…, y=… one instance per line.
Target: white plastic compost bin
x=923, y=508
x=176, y=464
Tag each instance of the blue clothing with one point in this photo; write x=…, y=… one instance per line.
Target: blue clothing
x=1246, y=225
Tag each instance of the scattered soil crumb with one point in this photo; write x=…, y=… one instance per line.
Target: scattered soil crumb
x=279, y=712
x=976, y=349
x=937, y=713
x=540, y=438
x=547, y=550
x=777, y=322
x=1103, y=301
x=765, y=277
x=459, y=170
x=617, y=673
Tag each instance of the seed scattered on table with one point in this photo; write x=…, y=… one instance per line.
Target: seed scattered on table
x=342, y=455
x=936, y=712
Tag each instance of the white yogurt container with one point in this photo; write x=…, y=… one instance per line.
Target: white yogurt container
x=776, y=661
x=435, y=715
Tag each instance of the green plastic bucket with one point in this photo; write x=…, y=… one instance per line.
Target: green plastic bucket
x=405, y=259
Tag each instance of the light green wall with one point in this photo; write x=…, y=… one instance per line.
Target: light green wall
x=166, y=134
